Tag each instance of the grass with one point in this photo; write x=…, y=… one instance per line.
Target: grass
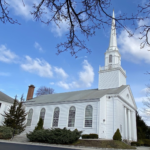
x=103, y=144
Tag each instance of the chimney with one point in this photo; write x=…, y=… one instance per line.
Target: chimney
x=30, y=92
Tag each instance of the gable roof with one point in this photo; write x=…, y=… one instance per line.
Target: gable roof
x=6, y=98
x=75, y=95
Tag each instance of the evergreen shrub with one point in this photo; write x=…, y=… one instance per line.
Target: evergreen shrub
x=39, y=125
x=6, y=132
x=117, y=136
x=85, y=136
x=135, y=144
x=54, y=136
x=146, y=142
x=89, y=136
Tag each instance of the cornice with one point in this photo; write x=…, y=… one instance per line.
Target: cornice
x=113, y=69
x=63, y=102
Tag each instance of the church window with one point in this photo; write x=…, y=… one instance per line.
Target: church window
x=56, y=117
x=88, y=116
x=71, y=119
x=42, y=113
x=110, y=58
x=29, y=117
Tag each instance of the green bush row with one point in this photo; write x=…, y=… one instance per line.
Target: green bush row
x=89, y=136
x=55, y=136
x=6, y=132
x=144, y=142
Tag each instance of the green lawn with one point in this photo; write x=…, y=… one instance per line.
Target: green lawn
x=103, y=144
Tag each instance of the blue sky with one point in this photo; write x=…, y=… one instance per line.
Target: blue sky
x=28, y=55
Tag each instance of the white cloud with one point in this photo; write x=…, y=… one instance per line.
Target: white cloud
x=21, y=10
x=60, y=72
x=61, y=29
x=140, y=99
x=25, y=11
x=130, y=46
x=87, y=75
x=37, y=66
x=38, y=46
x=6, y=55
x=145, y=90
x=51, y=83
x=4, y=74
x=86, y=78
x=63, y=85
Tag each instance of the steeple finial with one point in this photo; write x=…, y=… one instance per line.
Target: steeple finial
x=113, y=37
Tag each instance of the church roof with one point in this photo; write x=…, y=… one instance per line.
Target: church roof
x=5, y=98
x=75, y=95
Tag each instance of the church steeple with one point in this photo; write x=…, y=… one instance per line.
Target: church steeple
x=112, y=74
x=113, y=37
x=112, y=55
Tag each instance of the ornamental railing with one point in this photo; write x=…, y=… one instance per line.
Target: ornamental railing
x=109, y=67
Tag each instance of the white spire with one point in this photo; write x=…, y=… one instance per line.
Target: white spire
x=113, y=37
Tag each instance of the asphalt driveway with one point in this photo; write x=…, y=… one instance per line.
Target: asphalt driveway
x=10, y=146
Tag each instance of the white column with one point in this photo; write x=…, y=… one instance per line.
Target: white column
x=125, y=113
x=129, y=124
x=132, y=126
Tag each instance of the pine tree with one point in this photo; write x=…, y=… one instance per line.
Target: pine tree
x=16, y=116
x=39, y=125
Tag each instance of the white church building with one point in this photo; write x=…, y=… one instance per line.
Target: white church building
x=101, y=111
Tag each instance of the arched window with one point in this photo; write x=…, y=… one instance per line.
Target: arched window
x=110, y=58
x=42, y=113
x=71, y=119
x=88, y=116
x=29, y=117
x=56, y=117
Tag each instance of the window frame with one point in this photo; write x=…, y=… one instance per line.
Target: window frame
x=110, y=58
x=69, y=118
x=28, y=117
x=85, y=116
x=57, y=118
x=44, y=114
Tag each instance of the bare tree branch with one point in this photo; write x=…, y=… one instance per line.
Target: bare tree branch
x=82, y=18
x=5, y=13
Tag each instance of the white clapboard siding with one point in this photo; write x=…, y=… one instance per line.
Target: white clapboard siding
x=120, y=117
x=109, y=119
x=4, y=107
x=63, y=116
x=109, y=79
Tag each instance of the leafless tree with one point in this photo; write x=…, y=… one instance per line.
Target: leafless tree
x=146, y=102
x=82, y=17
x=43, y=90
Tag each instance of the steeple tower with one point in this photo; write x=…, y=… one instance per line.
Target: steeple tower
x=113, y=37
x=112, y=75
x=112, y=55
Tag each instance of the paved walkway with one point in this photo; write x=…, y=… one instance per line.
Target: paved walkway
x=20, y=138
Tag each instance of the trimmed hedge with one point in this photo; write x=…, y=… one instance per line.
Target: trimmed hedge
x=6, y=132
x=145, y=142
x=55, y=136
x=135, y=144
x=117, y=136
x=89, y=136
